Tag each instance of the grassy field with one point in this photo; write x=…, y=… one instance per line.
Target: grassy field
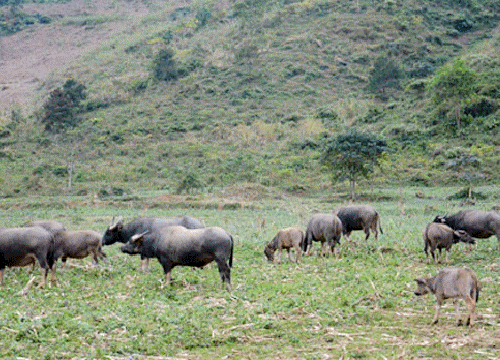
x=360, y=305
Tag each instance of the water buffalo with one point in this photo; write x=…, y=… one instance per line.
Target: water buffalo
x=452, y=283
x=359, y=217
x=288, y=238
x=326, y=228
x=119, y=232
x=51, y=226
x=19, y=246
x=176, y=245
x=78, y=245
x=478, y=224
x=440, y=236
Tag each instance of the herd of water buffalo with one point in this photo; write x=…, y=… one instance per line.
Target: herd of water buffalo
x=185, y=241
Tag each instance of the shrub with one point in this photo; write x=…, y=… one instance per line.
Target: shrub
x=164, y=66
x=189, y=183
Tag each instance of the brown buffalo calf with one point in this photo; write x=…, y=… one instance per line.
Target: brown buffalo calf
x=452, y=283
x=439, y=236
x=287, y=239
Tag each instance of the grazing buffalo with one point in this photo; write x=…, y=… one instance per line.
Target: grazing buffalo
x=325, y=228
x=288, y=238
x=452, y=283
x=359, y=217
x=440, y=236
x=118, y=232
x=176, y=245
x=478, y=224
x=19, y=246
x=78, y=245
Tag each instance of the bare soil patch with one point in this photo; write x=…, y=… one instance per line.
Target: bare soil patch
x=28, y=57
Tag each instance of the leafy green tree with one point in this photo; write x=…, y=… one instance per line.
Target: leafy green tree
x=385, y=76
x=353, y=155
x=451, y=88
x=58, y=111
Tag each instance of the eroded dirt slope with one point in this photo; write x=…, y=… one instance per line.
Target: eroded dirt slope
x=28, y=57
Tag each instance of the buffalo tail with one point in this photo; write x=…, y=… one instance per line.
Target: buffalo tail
x=231, y=256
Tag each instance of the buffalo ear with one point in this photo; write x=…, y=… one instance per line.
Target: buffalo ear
x=420, y=281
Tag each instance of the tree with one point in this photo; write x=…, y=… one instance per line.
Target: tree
x=385, y=74
x=451, y=88
x=353, y=154
x=58, y=111
x=62, y=105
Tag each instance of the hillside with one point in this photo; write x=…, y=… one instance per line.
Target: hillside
x=261, y=84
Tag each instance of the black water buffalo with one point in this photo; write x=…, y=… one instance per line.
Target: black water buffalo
x=176, y=245
x=478, y=224
x=119, y=232
x=325, y=228
x=20, y=246
x=440, y=236
x=359, y=217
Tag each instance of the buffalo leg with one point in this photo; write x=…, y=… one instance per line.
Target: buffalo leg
x=457, y=312
x=374, y=231
x=471, y=303
x=298, y=254
x=144, y=265
x=436, y=315
x=225, y=273
x=2, y=275
x=367, y=233
x=53, y=280
x=433, y=256
x=167, y=269
x=44, y=278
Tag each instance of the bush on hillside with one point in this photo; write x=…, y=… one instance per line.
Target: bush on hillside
x=189, y=183
x=385, y=77
x=164, y=66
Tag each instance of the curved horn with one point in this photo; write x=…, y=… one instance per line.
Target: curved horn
x=118, y=222
x=138, y=236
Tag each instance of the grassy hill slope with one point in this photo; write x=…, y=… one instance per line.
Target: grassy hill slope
x=261, y=84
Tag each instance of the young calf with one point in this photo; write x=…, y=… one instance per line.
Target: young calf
x=288, y=238
x=440, y=236
x=452, y=283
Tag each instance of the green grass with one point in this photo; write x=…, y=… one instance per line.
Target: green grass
x=360, y=305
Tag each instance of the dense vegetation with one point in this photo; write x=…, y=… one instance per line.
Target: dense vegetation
x=203, y=96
